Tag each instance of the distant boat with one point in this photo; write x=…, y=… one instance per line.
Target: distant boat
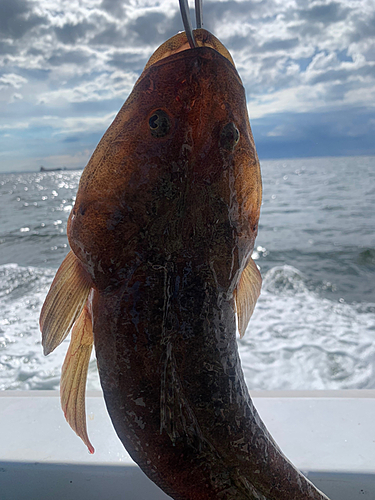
x=43, y=169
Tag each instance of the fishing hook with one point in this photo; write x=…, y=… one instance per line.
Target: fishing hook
x=199, y=13
x=185, y=14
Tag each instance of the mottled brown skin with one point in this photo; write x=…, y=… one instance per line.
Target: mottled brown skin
x=165, y=227
x=177, y=195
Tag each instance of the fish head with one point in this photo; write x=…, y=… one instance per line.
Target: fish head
x=176, y=176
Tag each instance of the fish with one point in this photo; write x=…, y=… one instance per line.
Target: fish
x=160, y=279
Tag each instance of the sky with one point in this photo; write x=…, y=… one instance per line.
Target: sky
x=67, y=66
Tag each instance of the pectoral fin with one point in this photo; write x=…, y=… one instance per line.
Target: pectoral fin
x=74, y=375
x=64, y=302
x=247, y=293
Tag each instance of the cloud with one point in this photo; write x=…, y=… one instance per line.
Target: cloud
x=217, y=13
x=76, y=57
x=278, y=131
x=324, y=13
x=99, y=89
x=335, y=133
x=279, y=44
x=364, y=28
x=65, y=72
x=115, y=7
x=12, y=80
x=127, y=61
x=148, y=27
x=71, y=33
x=17, y=17
x=16, y=97
x=112, y=35
x=6, y=47
x=16, y=125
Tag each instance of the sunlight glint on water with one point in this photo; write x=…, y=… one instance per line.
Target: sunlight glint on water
x=314, y=325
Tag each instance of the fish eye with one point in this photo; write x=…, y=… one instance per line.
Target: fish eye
x=229, y=136
x=159, y=123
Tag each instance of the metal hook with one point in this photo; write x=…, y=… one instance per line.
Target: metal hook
x=185, y=14
x=184, y=9
x=199, y=13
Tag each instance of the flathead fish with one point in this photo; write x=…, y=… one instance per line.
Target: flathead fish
x=160, y=277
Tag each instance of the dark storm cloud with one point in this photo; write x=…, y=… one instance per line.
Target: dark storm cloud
x=17, y=18
x=326, y=14
x=70, y=33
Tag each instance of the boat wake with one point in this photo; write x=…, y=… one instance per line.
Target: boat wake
x=296, y=339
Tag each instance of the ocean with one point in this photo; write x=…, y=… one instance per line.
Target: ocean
x=314, y=324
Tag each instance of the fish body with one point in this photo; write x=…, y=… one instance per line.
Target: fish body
x=160, y=277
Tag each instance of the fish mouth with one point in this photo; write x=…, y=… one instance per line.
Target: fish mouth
x=179, y=44
x=194, y=58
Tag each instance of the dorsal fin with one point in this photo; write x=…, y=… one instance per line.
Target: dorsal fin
x=64, y=302
x=247, y=293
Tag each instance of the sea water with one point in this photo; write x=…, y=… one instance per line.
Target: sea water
x=314, y=324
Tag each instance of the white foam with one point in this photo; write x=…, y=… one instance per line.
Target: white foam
x=299, y=340
x=22, y=363
x=295, y=340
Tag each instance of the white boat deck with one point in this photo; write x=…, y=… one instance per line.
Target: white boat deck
x=329, y=435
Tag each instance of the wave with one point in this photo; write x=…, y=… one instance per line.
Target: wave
x=297, y=339
x=22, y=363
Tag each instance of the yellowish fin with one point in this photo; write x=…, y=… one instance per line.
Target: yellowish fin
x=74, y=375
x=64, y=302
x=247, y=293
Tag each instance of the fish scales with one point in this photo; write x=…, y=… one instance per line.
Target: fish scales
x=162, y=232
